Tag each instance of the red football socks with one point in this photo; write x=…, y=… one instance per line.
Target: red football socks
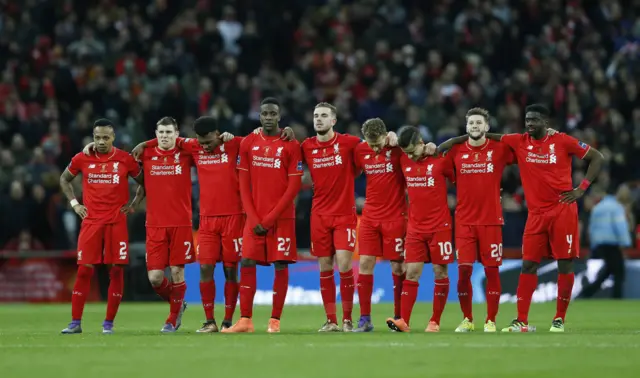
x=465, y=290
x=492, y=292
x=565, y=287
x=230, y=299
x=440, y=294
x=328, y=292
x=397, y=294
x=176, y=300
x=280, y=287
x=526, y=286
x=81, y=289
x=409, y=295
x=114, y=293
x=247, y=290
x=164, y=290
x=365, y=290
x=347, y=289
x=208, y=296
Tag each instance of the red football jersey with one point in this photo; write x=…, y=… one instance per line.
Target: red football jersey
x=385, y=196
x=478, y=172
x=167, y=182
x=332, y=172
x=105, y=186
x=270, y=161
x=427, y=189
x=545, y=167
x=219, y=186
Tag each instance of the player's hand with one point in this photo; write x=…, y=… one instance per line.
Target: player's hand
x=571, y=196
x=88, y=149
x=392, y=139
x=226, y=136
x=551, y=131
x=259, y=230
x=127, y=209
x=137, y=151
x=430, y=149
x=287, y=134
x=81, y=211
x=258, y=130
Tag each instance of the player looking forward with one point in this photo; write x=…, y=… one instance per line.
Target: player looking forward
x=552, y=225
x=383, y=222
x=270, y=178
x=169, y=239
x=103, y=235
x=428, y=237
x=479, y=163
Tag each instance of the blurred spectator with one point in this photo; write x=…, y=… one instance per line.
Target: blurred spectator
x=422, y=63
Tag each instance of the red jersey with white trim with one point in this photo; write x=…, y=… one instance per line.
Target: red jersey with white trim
x=478, y=173
x=385, y=192
x=167, y=183
x=218, y=176
x=333, y=173
x=427, y=189
x=270, y=161
x=105, y=186
x=545, y=167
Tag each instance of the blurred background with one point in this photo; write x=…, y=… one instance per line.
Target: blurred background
x=411, y=62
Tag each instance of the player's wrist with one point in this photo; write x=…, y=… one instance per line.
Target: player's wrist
x=584, y=185
x=74, y=202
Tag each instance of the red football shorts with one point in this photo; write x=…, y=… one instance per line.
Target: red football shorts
x=554, y=234
x=331, y=233
x=103, y=244
x=279, y=245
x=479, y=243
x=169, y=246
x=383, y=239
x=434, y=247
x=220, y=239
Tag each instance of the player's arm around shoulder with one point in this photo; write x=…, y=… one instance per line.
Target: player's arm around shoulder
x=449, y=143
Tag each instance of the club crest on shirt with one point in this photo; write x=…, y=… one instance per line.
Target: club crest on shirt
x=388, y=157
x=279, y=151
x=430, y=169
x=176, y=158
x=115, y=166
x=476, y=156
x=552, y=148
x=489, y=155
x=336, y=148
x=266, y=151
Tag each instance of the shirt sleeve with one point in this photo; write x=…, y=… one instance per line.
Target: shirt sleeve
x=188, y=145
x=75, y=166
x=575, y=147
x=447, y=169
x=294, y=165
x=133, y=168
x=508, y=155
x=511, y=140
x=243, y=156
x=356, y=160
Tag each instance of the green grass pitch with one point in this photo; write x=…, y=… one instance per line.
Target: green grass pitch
x=602, y=337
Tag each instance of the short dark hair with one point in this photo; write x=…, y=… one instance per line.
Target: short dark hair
x=270, y=100
x=538, y=108
x=103, y=122
x=205, y=125
x=407, y=136
x=168, y=121
x=479, y=111
x=333, y=109
x=374, y=128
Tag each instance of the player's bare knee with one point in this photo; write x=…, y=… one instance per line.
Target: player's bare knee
x=367, y=264
x=414, y=271
x=440, y=271
x=206, y=272
x=247, y=263
x=231, y=273
x=325, y=263
x=278, y=265
x=397, y=268
x=530, y=267
x=565, y=266
x=177, y=274
x=155, y=277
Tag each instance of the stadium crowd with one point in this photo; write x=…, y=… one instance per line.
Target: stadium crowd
x=410, y=62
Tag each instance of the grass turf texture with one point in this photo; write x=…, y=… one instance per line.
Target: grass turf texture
x=601, y=338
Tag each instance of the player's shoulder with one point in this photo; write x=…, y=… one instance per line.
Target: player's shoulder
x=290, y=144
x=362, y=147
x=348, y=139
x=309, y=142
x=248, y=140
